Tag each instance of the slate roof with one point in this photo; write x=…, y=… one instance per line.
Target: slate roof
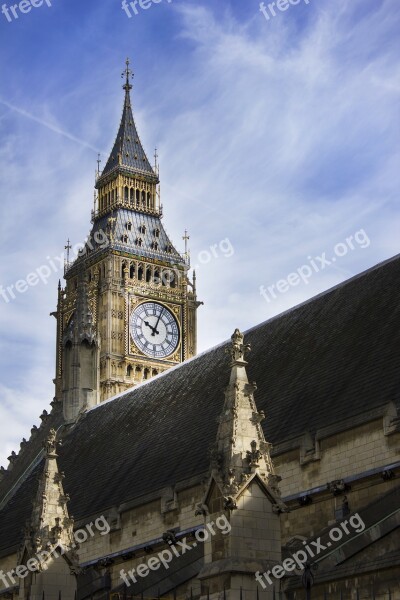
x=326, y=361
x=128, y=144
x=151, y=223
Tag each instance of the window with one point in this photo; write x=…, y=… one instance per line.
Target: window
x=124, y=238
x=132, y=272
x=142, y=228
x=156, y=233
x=139, y=242
x=129, y=226
x=154, y=245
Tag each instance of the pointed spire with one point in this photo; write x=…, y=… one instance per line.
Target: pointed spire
x=127, y=155
x=50, y=524
x=241, y=449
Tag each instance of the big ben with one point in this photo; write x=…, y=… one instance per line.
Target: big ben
x=128, y=310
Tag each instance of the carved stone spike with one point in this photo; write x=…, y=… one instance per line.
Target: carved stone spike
x=229, y=503
x=238, y=349
x=49, y=443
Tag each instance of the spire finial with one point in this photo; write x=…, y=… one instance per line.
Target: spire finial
x=128, y=74
x=68, y=247
x=238, y=348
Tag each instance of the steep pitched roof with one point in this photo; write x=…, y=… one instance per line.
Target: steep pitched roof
x=128, y=152
x=330, y=359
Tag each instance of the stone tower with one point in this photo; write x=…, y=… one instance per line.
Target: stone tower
x=128, y=311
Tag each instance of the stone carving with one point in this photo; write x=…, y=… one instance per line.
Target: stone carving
x=49, y=443
x=238, y=348
x=337, y=487
x=254, y=455
x=229, y=503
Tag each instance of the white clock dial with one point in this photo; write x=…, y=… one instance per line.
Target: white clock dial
x=154, y=329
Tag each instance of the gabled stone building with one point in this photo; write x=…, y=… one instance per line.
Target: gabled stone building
x=216, y=476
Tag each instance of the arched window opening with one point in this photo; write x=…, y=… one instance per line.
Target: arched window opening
x=146, y=373
x=137, y=198
x=129, y=370
x=124, y=238
x=148, y=274
x=132, y=272
x=144, y=199
x=132, y=196
x=123, y=269
x=142, y=229
x=129, y=226
x=148, y=199
x=139, y=242
x=157, y=277
x=126, y=193
x=155, y=372
x=140, y=273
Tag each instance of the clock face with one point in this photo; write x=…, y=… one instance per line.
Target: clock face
x=154, y=329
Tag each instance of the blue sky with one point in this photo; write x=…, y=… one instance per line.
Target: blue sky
x=279, y=135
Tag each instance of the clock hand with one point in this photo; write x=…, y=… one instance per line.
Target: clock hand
x=158, y=320
x=151, y=327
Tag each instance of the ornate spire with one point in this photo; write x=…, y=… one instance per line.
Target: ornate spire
x=128, y=155
x=241, y=449
x=50, y=524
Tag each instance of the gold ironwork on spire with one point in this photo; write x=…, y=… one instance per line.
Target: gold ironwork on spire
x=128, y=74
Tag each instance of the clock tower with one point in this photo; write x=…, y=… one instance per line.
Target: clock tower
x=128, y=310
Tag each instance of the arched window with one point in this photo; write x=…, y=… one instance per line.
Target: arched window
x=126, y=193
x=142, y=229
x=148, y=274
x=139, y=242
x=148, y=199
x=140, y=273
x=123, y=269
x=137, y=198
x=132, y=196
x=144, y=199
x=132, y=272
x=129, y=370
x=156, y=276
x=146, y=373
x=124, y=238
x=155, y=372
